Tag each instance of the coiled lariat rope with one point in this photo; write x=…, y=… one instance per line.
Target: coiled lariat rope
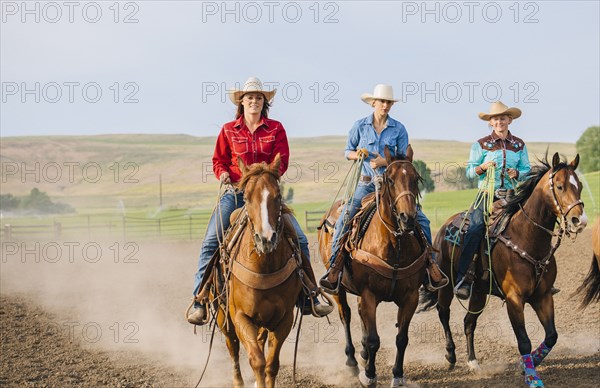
x=486, y=195
x=350, y=182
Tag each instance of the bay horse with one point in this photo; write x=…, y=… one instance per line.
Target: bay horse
x=261, y=276
x=387, y=266
x=590, y=289
x=522, y=261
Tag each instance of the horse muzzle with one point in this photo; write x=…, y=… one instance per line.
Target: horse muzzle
x=265, y=245
x=406, y=222
x=576, y=224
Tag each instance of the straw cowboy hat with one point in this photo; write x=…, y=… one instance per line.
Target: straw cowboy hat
x=381, y=92
x=497, y=109
x=252, y=85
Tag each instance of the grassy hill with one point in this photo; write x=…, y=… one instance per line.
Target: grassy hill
x=107, y=171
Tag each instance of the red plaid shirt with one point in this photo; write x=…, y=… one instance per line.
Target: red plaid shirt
x=261, y=146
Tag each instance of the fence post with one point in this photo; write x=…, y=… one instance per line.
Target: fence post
x=7, y=232
x=57, y=230
x=306, y=220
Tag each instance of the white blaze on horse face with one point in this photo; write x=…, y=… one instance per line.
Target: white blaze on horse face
x=573, y=181
x=267, y=230
x=403, y=171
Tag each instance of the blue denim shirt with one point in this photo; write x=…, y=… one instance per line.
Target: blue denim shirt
x=363, y=135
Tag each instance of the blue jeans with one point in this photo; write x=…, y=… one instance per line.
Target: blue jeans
x=361, y=191
x=472, y=237
x=226, y=206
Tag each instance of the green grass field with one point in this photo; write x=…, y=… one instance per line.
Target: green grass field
x=130, y=168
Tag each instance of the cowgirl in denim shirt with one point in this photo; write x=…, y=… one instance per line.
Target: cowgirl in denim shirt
x=369, y=136
x=508, y=154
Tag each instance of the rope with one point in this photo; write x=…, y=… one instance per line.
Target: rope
x=212, y=336
x=350, y=181
x=485, y=193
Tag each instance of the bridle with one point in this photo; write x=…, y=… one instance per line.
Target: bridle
x=555, y=198
x=540, y=265
x=395, y=230
x=278, y=223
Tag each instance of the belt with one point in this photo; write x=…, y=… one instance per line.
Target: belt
x=365, y=178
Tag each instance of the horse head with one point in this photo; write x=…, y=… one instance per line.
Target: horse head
x=260, y=183
x=565, y=194
x=402, y=181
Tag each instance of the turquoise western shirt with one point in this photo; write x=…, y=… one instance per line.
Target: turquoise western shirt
x=509, y=153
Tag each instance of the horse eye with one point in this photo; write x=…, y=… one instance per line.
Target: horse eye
x=560, y=187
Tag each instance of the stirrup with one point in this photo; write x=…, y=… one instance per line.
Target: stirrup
x=458, y=287
x=327, y=286
x=443, y=283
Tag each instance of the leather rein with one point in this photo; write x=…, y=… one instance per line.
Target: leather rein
x=540, y=265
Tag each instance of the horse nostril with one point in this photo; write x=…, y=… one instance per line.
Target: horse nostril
x=274, y=238
x=575, y=221
x=403, y=217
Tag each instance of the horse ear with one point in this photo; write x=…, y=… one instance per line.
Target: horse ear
x=242, y=166
x=555, y=160
x=275, y=164
x=409, y=153
x=575, y=162
x=387, y=155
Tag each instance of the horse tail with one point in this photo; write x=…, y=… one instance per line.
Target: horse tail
x=590, y=289
x=427, y=299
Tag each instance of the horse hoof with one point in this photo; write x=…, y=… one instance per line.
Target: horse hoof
x=474, y=366
x=366, y=381
x=451, y=358
x=533, y=380
x=351, y=362
x=398, y=382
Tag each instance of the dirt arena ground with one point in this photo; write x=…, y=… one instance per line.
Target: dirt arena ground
x=91, y=313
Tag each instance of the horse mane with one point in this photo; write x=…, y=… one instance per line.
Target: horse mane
x=257, y=169
x=524, y=189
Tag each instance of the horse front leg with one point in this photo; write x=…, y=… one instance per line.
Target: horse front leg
x=233, y=345
x=514, y=305
x=248, y=334
x=371, y=342
x=476, y=304
x=545, y=312
x=445, y=296
x=276, y=341
x=345, y=317
x=406, y=310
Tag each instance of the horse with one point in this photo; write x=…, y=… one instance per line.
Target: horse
x=262, y=276
x=388, y=265
x=590, y=289
x=522, y=261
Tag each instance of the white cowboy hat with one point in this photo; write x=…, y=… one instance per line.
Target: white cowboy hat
x=497, y=109
x=381, y=92
x=252, y=85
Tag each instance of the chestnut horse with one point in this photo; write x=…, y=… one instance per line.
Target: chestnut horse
x=522, y=261
x=397, y=257
x=263, y=280
x=590, y=289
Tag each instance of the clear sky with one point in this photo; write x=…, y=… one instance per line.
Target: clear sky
x=74, y=68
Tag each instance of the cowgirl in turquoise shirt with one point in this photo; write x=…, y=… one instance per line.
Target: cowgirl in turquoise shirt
x=508, y=154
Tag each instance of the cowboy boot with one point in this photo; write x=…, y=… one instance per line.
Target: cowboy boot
x=330, y=282
x=312, y=307
x=435, y=278
x=198, y=316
